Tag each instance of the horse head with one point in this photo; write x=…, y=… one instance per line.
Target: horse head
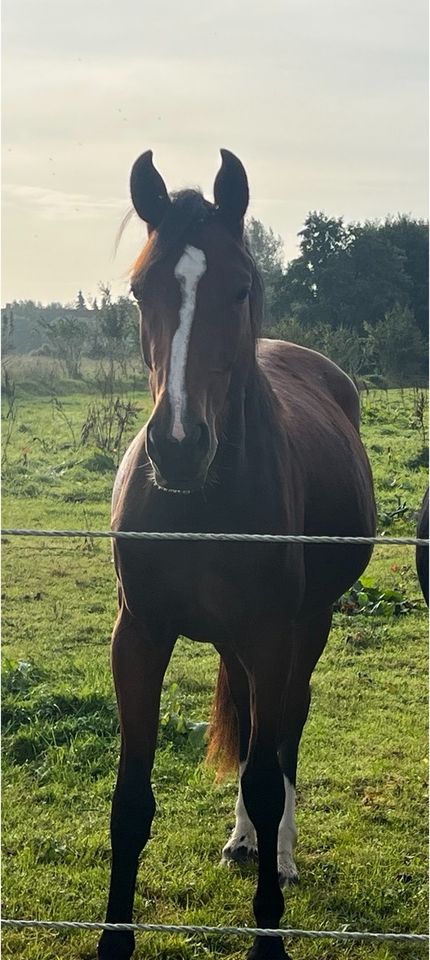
x=199, y=296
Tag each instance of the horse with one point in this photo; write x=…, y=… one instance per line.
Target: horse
x=422, y=553
x=246, y=435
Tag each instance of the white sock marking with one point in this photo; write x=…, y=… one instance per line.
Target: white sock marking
x=244, y=834
x=244, y=826
x=287, y=836
x=189, y=269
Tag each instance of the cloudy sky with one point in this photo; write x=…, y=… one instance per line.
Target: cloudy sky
x=324, y=102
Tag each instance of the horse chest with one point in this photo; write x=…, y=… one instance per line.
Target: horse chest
x=214, y=591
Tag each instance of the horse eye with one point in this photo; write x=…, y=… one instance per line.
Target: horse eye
x=242, y=295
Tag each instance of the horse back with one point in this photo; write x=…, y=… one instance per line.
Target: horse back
x=287, y=363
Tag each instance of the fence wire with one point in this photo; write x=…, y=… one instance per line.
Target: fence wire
x=292, y=932
x=214, y=537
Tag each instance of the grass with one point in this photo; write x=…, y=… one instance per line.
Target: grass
x=362, y=808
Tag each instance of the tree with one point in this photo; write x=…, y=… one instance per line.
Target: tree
x=313, y=286
x=398, y=348
x=7, y=329
x=117, y=324
x=80, y=302
x=346, y=274
x=412, y=238
x=66, y=336
x=377, y=277
x=267, y=250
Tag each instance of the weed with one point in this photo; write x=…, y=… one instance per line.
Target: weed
x=106, y=422
x=99, y=463
x=59, y=408
x=19, y=676
x=366, y=597
x=421, y=459
x=419, y=414
x=11, y=412
x=174, y=725
x=400, y=510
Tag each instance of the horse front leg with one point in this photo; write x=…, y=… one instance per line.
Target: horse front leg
x=139, y=662
x=263, y=792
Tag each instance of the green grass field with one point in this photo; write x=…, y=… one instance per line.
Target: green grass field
x=362, y=797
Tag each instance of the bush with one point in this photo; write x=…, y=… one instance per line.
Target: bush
x=391, y=353
x=66, y=337
x=341, y=344
x=397, y=347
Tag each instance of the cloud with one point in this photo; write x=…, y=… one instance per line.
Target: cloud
x=325, y=103
x=59, y=205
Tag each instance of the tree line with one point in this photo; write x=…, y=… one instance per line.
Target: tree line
x=357, y=292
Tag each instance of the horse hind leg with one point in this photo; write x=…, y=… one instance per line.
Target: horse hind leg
x=287, y=838
x=309, y=641
x=228, y=745
x=241, y=846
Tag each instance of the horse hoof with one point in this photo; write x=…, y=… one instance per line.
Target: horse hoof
x=267, y=948
x=116, y=945
x=288, y=878
x=287, y=870
x=240, y=855
x=239, y=851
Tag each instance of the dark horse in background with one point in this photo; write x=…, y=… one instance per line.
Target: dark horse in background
x=422, y=553
x=246, y=435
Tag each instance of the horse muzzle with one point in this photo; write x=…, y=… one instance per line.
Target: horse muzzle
x=180, y=466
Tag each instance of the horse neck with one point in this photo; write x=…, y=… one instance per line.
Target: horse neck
x=249, y=446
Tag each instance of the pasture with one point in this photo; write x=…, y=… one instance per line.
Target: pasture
x=362, y=807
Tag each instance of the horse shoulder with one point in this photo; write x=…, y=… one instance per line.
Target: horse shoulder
x=133, y=459
x=282, y=361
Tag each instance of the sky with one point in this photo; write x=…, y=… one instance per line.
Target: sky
x=324, y=101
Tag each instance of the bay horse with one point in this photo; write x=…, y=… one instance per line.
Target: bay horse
x=246, y=436
x=422, y=553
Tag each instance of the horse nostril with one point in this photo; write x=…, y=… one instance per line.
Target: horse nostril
x=198, y=438
x=195, y=434
x=168, y=453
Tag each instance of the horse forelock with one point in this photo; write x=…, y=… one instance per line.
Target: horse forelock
x=188, y=209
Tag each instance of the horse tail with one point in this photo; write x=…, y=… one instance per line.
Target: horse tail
x=223, y=745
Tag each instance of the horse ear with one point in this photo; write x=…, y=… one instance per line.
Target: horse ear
x=231, y=191
x=148, y=191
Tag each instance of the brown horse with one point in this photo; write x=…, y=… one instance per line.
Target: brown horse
x=422, y=553
x=246, y=435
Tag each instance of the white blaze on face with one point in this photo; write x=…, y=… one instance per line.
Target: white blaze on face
x=189, y=270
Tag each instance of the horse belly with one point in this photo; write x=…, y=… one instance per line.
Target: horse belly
x=345, y=509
